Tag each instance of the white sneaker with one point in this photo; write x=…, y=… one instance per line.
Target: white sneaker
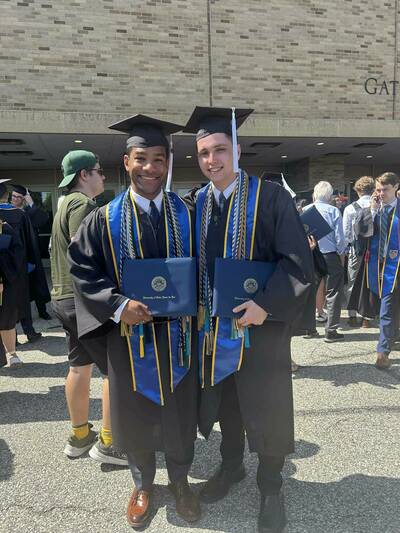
x=15, y=361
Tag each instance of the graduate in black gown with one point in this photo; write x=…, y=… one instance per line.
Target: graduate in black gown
x=245, y=365
x=38, y=287
x=153, y=398
x=14, y=271
x=376, y=289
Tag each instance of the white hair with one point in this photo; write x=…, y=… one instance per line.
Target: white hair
x=323, y=192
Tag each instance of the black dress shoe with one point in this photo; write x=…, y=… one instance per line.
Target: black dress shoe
x=45, y=316
x=187, y=502
x=35, y=336
x=218, y=486
x=272, y=517
x=333, y=336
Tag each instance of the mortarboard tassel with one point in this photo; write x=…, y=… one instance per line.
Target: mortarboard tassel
x=246, y=337
x=234, y=143
x=170, y=164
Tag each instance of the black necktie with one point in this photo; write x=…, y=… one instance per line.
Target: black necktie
x=221, y=202
x=154, y=215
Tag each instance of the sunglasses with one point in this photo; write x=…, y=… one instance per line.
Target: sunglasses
x=99, y=171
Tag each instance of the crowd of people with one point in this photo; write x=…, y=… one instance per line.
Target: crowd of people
x=360, y=254
x=167, y=375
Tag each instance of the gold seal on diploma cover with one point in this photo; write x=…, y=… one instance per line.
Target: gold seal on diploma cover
x=158, y=284
x=306, y=228
x=250, y=285
x=393, y=254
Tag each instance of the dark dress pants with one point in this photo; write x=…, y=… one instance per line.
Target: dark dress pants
x=388, y=322
x=3, y=358
x=269, y=472
x=27, y=323
x=334, y=290
x=143, y=466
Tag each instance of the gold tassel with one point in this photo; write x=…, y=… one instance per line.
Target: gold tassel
x=141, y=346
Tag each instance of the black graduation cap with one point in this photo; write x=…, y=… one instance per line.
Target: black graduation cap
x=145, y=132
x=20, y=189
x=209, y=120
x=3, y=187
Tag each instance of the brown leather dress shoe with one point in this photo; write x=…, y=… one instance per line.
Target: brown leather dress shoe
x=383, y=362
x=366, y=323
x=139, y=508
x=187, y=502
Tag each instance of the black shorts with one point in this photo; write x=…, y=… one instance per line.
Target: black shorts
x=81, y=352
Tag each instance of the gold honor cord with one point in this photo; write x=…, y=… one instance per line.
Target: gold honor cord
x=171, y=372
x=253, y=236
x=380, y=278
x=126, y=332
x=217, y=320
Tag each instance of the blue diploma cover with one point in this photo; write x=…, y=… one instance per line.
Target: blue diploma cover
x=314, y=223
x=167, y=286
x=236, y=282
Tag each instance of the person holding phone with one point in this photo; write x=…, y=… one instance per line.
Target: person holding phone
x=376, y=291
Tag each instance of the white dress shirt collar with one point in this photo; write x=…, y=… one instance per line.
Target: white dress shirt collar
x=392, y=203
x=227, y=192
x=144, y=203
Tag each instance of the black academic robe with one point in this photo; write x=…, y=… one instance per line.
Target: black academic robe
x=362, y=299
x=18, y=295
x=11, y=269
x=264, y=382
x=137, y=423
x=38, y=287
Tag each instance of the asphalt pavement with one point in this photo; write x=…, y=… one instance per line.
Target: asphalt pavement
x=344, y=476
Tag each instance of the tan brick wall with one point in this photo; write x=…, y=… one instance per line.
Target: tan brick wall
x=285, y=58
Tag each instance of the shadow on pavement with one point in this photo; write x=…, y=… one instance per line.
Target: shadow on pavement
x=37, y=370
x=348, y=374
x=20, y=408
x=6, y=461
x=356, y=503
x=50, y=345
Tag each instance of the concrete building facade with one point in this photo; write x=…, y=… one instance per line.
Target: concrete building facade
x=322, y=77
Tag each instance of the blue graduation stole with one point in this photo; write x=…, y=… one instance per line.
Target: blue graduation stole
x=143, y=350
x=227, y=354
x=381, y=275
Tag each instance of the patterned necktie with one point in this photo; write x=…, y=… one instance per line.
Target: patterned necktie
x=383, y=231
x=221, y=202
x=154, y=215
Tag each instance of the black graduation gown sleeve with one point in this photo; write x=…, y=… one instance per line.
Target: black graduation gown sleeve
x=37, y=216
x=38, y=288
x=97, y=295
x=288, y=288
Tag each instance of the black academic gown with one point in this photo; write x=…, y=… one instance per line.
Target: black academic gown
x=264, y=382
x=137, y=423
x=362, y=299
x=18, y=296
x=38, y=288
x=11, y=270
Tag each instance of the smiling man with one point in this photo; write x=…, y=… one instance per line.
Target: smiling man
x=245, y=361
x=376, y=291
x=153, y=395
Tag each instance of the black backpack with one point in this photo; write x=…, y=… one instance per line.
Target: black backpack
x=360, y=242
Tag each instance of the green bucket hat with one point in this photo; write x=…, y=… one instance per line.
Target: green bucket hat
x=75, y=161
